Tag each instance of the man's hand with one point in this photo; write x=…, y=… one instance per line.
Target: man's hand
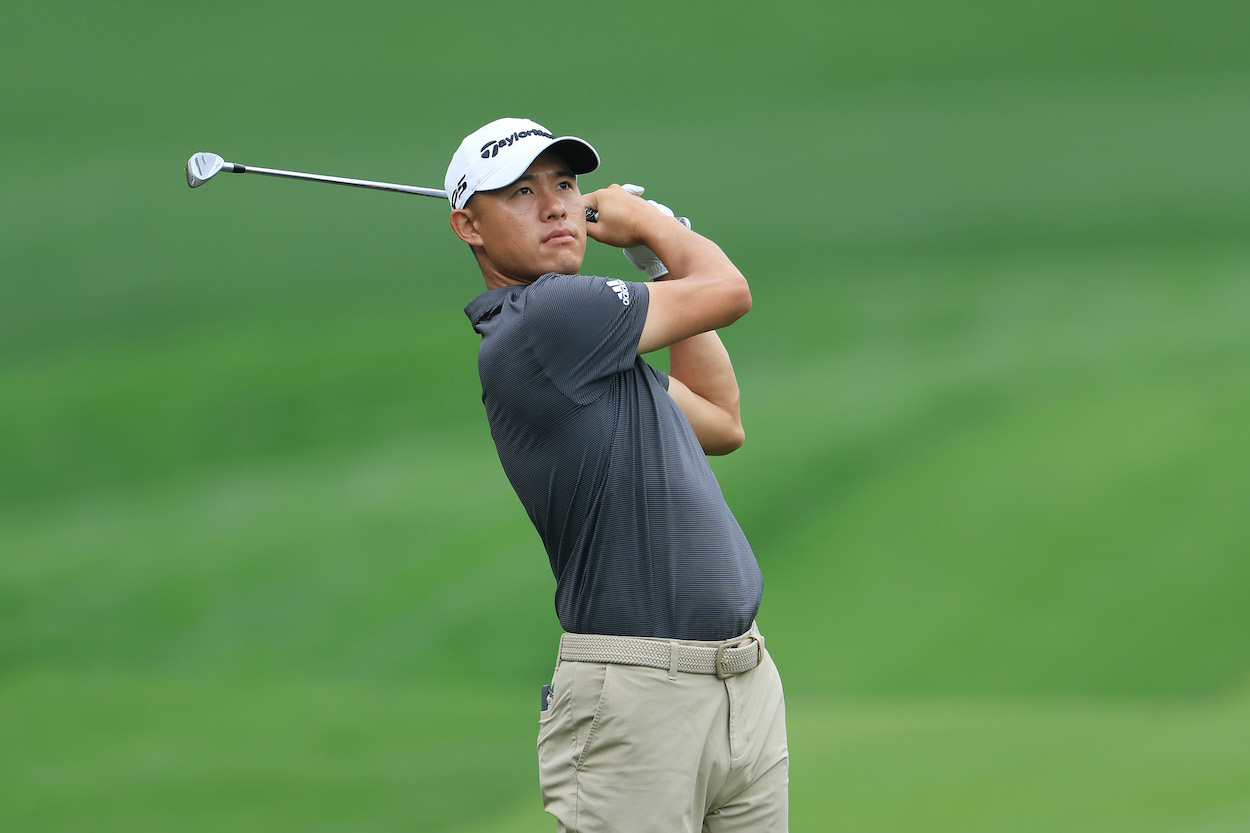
x=625, y=219
x=642, y=257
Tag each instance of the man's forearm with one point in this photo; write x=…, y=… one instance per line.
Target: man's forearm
x=702, y=364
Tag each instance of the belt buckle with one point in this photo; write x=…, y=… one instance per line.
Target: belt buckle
x=718, y=663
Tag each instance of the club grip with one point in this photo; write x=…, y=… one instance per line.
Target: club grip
x=592, y=216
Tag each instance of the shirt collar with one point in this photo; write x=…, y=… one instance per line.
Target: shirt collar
x=488, y=304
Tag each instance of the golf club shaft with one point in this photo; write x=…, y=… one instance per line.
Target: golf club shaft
x=236, y=168
x=203, y=166
x=592, y=216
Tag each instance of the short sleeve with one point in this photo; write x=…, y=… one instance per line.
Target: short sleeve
x=584, y=330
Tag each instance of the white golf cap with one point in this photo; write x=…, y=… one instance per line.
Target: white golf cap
x=498, y=153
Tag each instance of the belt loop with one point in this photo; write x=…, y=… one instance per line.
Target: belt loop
x=672, y=659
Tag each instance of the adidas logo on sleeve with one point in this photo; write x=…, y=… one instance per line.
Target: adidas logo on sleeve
x=621, y=289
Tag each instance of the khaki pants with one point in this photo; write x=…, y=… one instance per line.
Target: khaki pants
x=633, y=749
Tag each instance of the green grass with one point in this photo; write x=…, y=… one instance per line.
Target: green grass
x=171, y=752
x=1026, y=766
x=167, y=751
x=259, y=567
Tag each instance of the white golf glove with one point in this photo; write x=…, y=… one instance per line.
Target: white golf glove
x=642, y=257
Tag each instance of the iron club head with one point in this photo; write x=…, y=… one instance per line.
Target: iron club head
x=202, y=167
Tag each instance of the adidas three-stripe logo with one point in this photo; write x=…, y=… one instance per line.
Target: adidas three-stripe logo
x=621, y=289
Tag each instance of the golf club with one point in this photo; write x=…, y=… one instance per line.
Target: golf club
x=203, y=166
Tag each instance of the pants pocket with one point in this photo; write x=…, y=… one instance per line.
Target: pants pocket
x=590, y=703
x=567, y=732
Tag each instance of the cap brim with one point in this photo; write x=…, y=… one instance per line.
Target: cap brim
x=582, y=159
x=578, y=153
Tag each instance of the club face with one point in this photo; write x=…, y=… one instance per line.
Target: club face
x=202, y=167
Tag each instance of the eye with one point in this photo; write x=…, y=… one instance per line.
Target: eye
x=524, y=190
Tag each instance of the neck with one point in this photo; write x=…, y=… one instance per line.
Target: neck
x=495, y=281
x=495, y=278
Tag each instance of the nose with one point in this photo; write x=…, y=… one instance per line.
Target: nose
x=554, y=208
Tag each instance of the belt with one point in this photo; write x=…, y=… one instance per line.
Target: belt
x=724, y=659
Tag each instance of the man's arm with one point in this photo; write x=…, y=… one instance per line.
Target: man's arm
x=701, y=381
x=702, y=292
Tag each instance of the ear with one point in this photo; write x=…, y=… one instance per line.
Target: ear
x=465, y=228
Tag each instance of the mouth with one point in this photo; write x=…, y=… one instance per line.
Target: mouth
x=560, y=235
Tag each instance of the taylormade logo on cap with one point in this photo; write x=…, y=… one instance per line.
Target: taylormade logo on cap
x=497, y=154
x=492, y=147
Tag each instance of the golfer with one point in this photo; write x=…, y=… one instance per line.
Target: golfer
x=665, y=712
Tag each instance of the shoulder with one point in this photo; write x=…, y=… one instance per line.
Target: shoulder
x=573, y=293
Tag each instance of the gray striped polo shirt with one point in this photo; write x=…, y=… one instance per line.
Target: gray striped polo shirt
x=639, y=536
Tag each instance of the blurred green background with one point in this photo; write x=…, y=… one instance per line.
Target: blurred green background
x=260, y=569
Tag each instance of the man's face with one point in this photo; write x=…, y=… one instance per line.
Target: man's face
x=535, y=225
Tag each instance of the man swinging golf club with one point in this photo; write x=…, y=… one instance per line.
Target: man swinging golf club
x=665, y=711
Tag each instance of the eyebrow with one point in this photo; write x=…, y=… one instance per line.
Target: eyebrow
x=560, y=174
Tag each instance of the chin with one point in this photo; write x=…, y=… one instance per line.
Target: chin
x=567, y=266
